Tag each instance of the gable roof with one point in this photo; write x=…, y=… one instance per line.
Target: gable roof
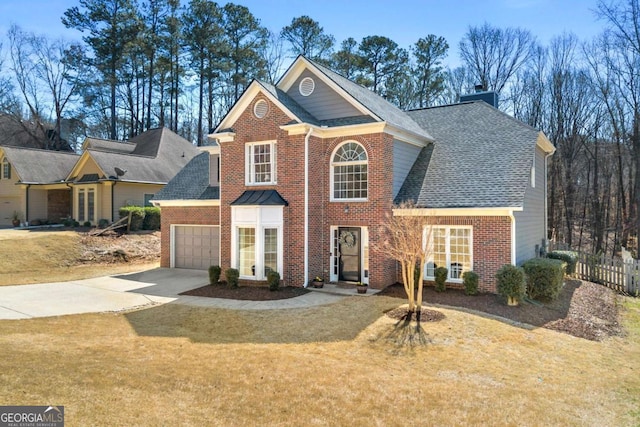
x=191, y=183
x=35, y=166
x=374, y=108
x=108, y=145
x=481, y=158
x=379, y=106
x=159, y=154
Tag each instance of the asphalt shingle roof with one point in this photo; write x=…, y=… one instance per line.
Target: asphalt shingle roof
x=191, y=183
x=481, y=158
x=158, y=156
x=40, y=166
x=375, y=103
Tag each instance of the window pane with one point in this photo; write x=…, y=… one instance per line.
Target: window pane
x=270, y=250
x=91, y=205
x=460, y=250
x=263, y=163
x=81, y=206
x=246, y=251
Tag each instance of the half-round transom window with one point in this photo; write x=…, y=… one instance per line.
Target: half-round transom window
x=306, y=87
x=349, y=172
x=261, y=108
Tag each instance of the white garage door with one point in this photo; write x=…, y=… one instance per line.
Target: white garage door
x=196, y=246
x=8, y=205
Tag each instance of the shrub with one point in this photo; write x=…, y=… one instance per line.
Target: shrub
x=544, y=278
x=232, y=277
x=103, y=223
x=151, y=218
x=137, y=216
x=470, y=280
x=440, y=274
x=273, y=279
x=570, y=257
x=76, y=224
x=510, y=282
x=87, y=224
x=214, y=274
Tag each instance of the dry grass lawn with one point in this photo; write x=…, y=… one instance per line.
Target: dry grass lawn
x=330, y=365
x=51, y=256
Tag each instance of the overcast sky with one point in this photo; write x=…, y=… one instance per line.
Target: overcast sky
x=403, y=21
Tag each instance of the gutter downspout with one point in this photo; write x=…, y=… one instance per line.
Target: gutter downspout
x=513, y=237
x=306, y=207
x=546, y=200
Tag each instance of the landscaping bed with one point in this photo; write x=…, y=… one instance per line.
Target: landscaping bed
x=246, y=293
x=583, y=309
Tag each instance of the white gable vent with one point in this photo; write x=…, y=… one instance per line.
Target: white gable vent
x=307, y=85
x=261, y=108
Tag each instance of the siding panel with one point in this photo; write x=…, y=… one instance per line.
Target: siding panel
x=404, y=155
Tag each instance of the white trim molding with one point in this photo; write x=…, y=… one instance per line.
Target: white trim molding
x=457, y=211
x=185, y=203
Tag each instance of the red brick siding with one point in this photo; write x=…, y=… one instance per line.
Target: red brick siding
x=491, y=245
x=202, y=215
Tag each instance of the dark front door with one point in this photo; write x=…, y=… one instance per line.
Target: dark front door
x=350, y=261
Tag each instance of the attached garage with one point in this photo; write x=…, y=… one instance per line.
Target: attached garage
x=195, y=246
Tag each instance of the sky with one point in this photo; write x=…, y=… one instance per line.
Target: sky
x=404, y=21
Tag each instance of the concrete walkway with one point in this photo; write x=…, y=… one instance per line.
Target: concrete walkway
x=124, y=292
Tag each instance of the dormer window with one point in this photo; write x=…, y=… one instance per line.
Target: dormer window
x=261, y=163
x=6, y=169
x=349, y=174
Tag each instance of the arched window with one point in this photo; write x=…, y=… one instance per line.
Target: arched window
x=349, y=172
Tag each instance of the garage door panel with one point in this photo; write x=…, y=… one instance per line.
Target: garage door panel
x=196, y=247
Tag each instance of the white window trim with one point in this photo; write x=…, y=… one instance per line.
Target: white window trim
x=259, y=225
x=332, y=197
x=249, y=175
x=428, y=234
x=96, y=203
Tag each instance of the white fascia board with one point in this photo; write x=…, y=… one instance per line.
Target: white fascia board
x=544, y=143
x=431, y=212
x=212, y=149
x=298, y=67
x=407, y=136
x=223, y=137
x=245, y=100
x=332, y=132
x=184, y=203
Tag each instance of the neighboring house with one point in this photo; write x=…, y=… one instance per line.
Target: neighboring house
x=92, y=186
x=310, y=169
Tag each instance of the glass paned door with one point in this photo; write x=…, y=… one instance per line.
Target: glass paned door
x=350, y=254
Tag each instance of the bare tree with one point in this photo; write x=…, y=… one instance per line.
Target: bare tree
x=495, y=55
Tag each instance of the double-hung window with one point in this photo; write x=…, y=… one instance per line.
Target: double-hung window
x=261, y=164
x=6, y=169
x=450, y=247
x=349, y=172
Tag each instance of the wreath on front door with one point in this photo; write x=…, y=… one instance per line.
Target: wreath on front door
x=347, y=238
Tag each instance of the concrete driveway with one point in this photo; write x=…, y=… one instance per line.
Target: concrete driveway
x=127, y=291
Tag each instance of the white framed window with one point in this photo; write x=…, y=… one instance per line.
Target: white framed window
x=147, y=199
x=261, y=163
x=6, y=169
x=257, y=241
x=86, y=204
x=450, y=247
x=349, y=172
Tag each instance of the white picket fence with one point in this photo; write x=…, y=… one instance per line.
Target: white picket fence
x=613, y=272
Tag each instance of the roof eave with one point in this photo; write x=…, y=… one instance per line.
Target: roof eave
x=469, y=211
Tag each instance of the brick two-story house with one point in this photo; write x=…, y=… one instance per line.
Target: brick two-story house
x=305, y=172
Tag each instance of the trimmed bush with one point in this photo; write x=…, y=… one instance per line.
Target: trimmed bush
x=273, y=279
x=510, y=283
x=137, y=216
x=232, y=277
x=470, y=280
x=440, y=274
x=544, y=278
x=570, y=257
x=151, y=218
x=214, y=274
x=87, y=224
x=103, y=223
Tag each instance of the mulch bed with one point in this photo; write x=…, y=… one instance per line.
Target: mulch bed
x=583, y=309
x=426, y=315
x=246, y=293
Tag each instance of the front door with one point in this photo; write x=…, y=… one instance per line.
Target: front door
x=350, y=262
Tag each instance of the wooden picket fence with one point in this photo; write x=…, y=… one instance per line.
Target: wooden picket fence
x=621, y=275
